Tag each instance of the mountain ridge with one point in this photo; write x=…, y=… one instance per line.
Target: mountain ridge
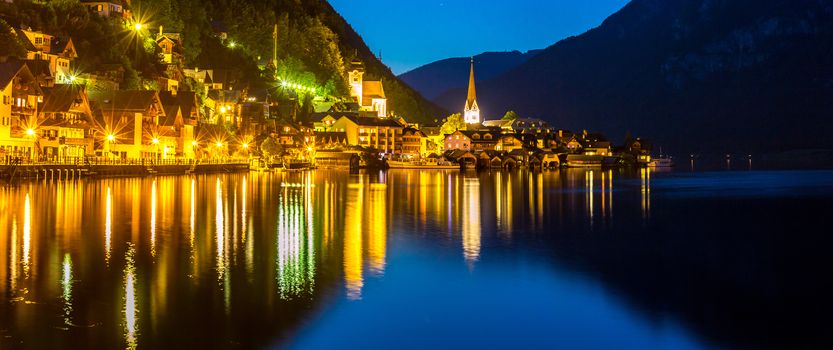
x=437, y=77
x=693, y=75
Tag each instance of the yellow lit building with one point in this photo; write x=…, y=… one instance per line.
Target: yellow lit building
x=18, y=110
x=59, y=52
x=384, y=135
x=65, y=126
x=369, y=94
x=128, y=122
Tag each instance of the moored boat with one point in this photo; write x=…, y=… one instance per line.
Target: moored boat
x=422, y=164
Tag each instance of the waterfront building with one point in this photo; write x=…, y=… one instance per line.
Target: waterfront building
x=182, y=114
x=414, y=143
x=457, y=141
x=601, y=148
x=129, y=121
x=18, y=110
x=65, y=126
x=381, y=134
x=537, y=127
x=369, y=94
x=59, y=52
x=471, y=112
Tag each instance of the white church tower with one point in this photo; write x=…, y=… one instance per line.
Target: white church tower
x=471, y=114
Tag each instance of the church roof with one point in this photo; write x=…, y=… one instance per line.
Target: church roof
x=471, y=97
x=372, y=89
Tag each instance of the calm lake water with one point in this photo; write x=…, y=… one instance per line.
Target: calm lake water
x=572, y=259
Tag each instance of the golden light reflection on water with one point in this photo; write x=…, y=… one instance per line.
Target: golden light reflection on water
x=108, y=226
x=296, y=254
x=27, y=235
x=353, y=239
x=377, y=234
x=471, y=219
x=130, y=303
x=288, y=242
x=645, y=189
x=153, y=219
x=219, y=222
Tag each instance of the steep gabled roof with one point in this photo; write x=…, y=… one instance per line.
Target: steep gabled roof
x=61, y=99
x=125, y=100
x=372, y=89
x=10, y=70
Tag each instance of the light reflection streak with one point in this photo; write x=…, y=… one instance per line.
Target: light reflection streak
x=13, y=258
x=108, y=226
x=377, y=235
x=219, y=221
x=130, y=310
x=153, y=219
x=27, y=235
x=645, y=176
x=590, y=208
x=353, y=240
x=193, y=222
x=471, y=220
x=295, y=269
x=66, y=287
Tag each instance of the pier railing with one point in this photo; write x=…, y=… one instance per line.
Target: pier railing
x=92, y=161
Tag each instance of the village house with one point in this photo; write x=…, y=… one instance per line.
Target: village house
x=457, y=141
x=129, y=120
x=18, y=110
x=381, y=134
x=413, y=143
x=108, y=9
x=179, y=126
x=65, y=126
x=59, y=52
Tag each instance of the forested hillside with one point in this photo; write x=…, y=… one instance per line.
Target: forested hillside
x=314, y=41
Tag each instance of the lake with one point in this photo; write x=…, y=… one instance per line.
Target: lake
x=578, y=259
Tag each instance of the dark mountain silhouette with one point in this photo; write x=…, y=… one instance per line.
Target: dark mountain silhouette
x=692, y=75
x=433, y=79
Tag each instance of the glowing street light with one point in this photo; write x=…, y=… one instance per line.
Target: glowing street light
x=155, y=141
x=30, y=132
x=219, y=144
x=245, y=146
x=111, y=137
x=194, y=143
x=137, y=26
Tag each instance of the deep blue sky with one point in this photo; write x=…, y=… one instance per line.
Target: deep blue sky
x=412, y=33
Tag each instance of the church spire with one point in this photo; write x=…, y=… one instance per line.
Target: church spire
x=472, y=96
x=472, y=111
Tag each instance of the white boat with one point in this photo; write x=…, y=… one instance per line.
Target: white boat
x=662, y=162
x=422, y=164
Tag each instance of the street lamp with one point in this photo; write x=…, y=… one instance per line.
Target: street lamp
x=137, y=26
x=30, y=132
x=156, y=147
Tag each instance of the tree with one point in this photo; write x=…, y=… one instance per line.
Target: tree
x=510, y=115
x=270, y=148
x=453, y=123
x=9, y=43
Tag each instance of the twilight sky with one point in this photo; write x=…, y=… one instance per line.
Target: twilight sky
x=410, y=33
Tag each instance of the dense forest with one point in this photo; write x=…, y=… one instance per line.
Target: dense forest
x=314, y=42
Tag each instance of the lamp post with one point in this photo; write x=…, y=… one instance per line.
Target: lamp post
x=194, y=145
x=30, y=132
x=109, y=149
x=156, y=148
x=219, y=145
